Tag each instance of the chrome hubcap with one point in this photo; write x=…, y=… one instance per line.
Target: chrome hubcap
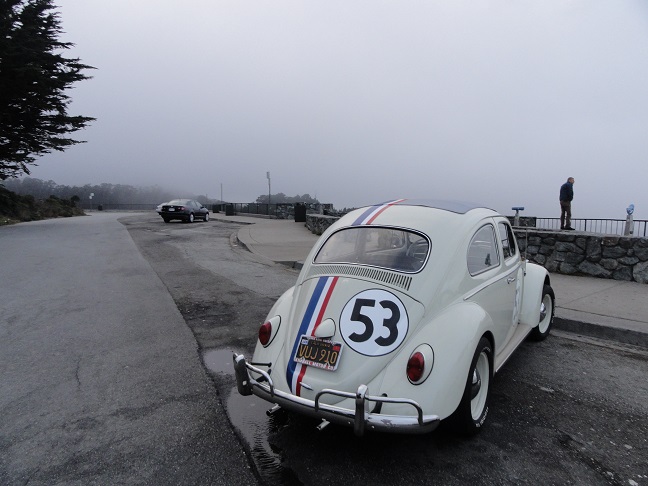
x=479, y=386
x=543, y=311
x=476, y=384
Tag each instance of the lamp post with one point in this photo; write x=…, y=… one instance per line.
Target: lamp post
x=269, y=192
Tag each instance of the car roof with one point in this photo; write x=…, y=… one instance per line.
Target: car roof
x=459, y=207
x=449, y=225
x=453, y=218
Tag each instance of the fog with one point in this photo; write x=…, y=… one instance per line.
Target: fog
x=357, y=102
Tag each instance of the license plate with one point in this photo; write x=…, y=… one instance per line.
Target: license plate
x=320, y=353
x=171, y=209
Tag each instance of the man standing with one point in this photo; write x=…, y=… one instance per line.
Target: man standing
x=566, y=196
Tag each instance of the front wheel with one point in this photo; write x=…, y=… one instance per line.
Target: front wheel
x=547, y=309
x=471, y=413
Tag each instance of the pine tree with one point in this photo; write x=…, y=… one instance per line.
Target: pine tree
x=34, y=77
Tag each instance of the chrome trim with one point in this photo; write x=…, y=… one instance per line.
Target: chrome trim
x=360, y=418
x=489, y=282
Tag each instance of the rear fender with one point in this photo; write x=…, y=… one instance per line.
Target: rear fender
x=453, y=336
x=280, y=308
x=532, y=294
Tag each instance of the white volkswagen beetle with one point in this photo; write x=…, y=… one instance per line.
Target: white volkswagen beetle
x=400, y=316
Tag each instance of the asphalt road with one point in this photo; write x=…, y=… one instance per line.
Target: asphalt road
x=102, y=380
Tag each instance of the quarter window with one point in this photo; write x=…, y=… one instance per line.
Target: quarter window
x=508, y=241
x=482, y=252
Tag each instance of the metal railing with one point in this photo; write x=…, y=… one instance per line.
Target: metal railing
x=116, y=207
x=279, y=211
x=603, y=226
x=282, y=211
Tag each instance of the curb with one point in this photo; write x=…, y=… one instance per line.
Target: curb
x=625, y=336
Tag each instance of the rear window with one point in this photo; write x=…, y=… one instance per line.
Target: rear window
x=391, y=248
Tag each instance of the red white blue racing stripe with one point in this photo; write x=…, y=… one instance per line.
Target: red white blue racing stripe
x=312, y=318
x=373, y=212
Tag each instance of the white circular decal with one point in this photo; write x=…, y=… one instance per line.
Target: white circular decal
x=374, y=322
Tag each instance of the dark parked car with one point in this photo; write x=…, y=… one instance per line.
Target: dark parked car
x=184, y=209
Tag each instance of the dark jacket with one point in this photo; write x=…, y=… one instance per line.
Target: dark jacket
x=567, y=191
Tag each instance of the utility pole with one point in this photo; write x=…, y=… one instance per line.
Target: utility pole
x=268, y=176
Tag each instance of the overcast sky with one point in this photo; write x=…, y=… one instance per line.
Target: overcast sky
x=357, y=102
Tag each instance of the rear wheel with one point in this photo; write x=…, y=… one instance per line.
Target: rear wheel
x=471, y=413
x=190, y=218
x=166, y=220
x=206, y=218
x=547, y=309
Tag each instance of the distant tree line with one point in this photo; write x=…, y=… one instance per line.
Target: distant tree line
x=281, y=198
x=103, y=193
x=124, y=194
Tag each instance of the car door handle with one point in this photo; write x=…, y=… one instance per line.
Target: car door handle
x=510, y=280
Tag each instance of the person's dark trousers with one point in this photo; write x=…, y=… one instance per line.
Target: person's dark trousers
x=565, y=214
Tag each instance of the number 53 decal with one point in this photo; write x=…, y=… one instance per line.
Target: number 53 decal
x=374, y=322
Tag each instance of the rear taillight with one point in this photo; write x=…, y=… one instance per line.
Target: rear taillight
x=268, y=331
x=420, y=364
x=265, y=331
x=416, y=367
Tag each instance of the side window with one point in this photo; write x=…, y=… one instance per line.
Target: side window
x=482, y=252
x=508, y=241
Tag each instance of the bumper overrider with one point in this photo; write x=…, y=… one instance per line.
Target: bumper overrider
x=361, y=419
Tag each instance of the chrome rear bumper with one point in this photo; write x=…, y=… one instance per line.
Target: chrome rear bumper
x=360, y=418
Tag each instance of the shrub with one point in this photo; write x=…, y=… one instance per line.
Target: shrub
x=15, y=208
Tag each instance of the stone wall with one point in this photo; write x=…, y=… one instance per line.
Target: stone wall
x=571, y=253
x=589, y=254
x=318, y=223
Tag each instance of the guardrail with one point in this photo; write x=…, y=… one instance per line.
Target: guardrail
x=117, y=207
x=287, y=211
x=603, y=226
x=279, y=210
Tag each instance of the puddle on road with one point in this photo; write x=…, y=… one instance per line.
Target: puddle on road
x=248, y=415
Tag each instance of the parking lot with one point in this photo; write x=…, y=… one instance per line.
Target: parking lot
x=563, y=411
x=115, y=340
